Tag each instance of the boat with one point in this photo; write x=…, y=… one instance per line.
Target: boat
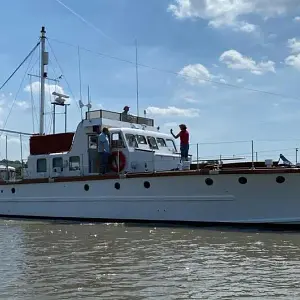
x=147, y=181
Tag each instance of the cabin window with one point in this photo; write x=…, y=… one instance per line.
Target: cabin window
x=141, y=139
x=171, y=145
x=93, y=141
x=74, y=163
x=131, y=140
x=161, y=142
x=152, y=142
x=57, y=162
x=41, y=165
x=116, y=140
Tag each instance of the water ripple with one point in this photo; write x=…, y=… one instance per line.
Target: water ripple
x=48, y=260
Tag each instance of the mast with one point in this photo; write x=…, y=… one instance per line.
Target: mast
x=137, y=78
x=44, y=62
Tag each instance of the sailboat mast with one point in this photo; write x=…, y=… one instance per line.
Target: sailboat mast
x=44, y=62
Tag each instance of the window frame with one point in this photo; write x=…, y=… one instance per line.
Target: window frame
x=119, y=143
x=91, y=145
x=149, y=143
x=144, y=138
x=174, y=146
x=135, y=140
x=61, y=162
x=159, y=145
x=71, y=169
x=37, y=165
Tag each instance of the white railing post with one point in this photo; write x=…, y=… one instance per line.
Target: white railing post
x=252, y=153
x=197, y=157
x=6, y=155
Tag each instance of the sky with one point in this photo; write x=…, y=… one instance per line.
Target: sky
x=200, y=62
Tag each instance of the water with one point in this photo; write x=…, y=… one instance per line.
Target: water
x=52, y=260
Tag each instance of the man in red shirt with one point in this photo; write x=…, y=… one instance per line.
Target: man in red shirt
x=184, y=141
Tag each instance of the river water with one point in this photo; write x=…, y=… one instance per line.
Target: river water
x=55, y=260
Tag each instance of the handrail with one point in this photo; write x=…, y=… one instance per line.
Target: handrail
x=118, y=117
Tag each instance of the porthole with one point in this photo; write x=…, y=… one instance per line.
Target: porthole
x=13, y=190
x=117, y=185
x=242, y=180
x=280, y=179
x=209, y=181
x=86, y=187
x=147, y=184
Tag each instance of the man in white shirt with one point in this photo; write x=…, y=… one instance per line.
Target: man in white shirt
x=104, y=150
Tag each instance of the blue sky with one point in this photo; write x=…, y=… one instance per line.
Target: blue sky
x=253, y=44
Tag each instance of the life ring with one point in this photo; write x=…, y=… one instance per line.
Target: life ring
x=114, y=161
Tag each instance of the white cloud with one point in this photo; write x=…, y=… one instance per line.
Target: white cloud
x=195, y=74
x=222, y=13
x=240, y=80
x=49, y=89
x=293, y=61
x=294, y=45
x=222, y=80
x=173, y=111
x=235, y=60
x=297, y=19
x=23, y=105
x=245, y=27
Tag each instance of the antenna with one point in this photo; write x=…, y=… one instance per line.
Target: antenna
x=137, y=78
x=88, y=106
x=79, y=73
x=81, y=105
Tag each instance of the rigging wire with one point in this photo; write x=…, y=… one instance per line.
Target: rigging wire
x=86, y=22
x=16, y=96
x=177, y=74
x=51, y=109
x=20, y=65
x=32, y=103
x=13, y=103
x=61, y=70
x=33, y=108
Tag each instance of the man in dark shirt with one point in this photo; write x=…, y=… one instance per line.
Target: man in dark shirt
x=124, y=115
x=184, y=141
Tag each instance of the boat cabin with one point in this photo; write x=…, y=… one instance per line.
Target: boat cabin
x=136, y=146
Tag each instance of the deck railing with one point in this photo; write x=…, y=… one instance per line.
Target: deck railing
x=111, y=115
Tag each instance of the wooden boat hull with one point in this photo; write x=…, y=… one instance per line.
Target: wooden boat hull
x=187, y=197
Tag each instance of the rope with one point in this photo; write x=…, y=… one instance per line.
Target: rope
x=16, y=96
x=20, y=65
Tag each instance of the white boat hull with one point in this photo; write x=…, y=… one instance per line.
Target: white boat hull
x=170, y=198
